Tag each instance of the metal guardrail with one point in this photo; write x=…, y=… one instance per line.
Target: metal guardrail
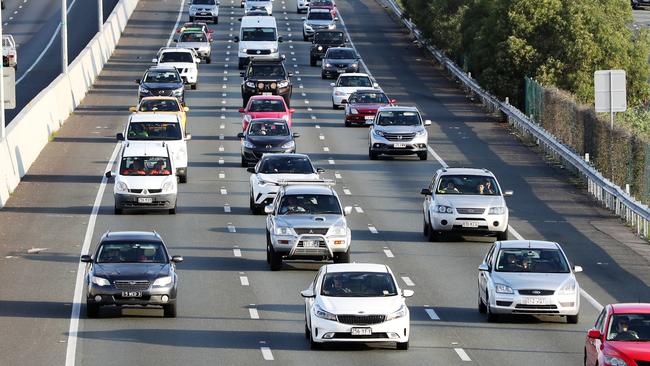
x=634, y=213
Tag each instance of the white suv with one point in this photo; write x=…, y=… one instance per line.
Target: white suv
x=144, y=178
x=398, y=131
x=349, y=83
x=160, y=127
x=207, y=10
x=307, y=221
x=183, y=59
x=464, y=200
x=264, y=5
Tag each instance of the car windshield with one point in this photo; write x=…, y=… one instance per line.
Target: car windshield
x=328, y=37
x=258, y=34
x=267, y=105
x=192, y=37
x=159, y=105
x=358, y=284
x=268, y=128
x=145, y=165
x=355, y=81
x=162, y=77
x=369, y=98
x=320, y=15
x=270, y=71
x=468, y=185
x=314, y=204
x=335, y=54
x=176, y=57
x=154, y=131
x=286, y=165
x=204, y=2
x=629, y=328
x=132, y=253
x=531, y=260
x=398, y=118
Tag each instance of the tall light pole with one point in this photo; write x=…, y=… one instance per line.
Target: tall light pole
x=64, y=36
x=100, y=15
x=2, y=90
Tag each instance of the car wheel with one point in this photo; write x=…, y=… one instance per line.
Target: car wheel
x=215, y=20
x=193, y=86
x=268, y=248
x=572, y=319
x=348, y=124
x=312, y=61
x=172, y=211
x=491, y=317
x=244, y=163
x=334, y=106
x=275, y=259
x=432, y=234
x=287, y=100
x=502, y=235
x=208, y=59
x=169, y=310
x=342, y=257
x=423, y=155
x=92, y=310
x=307, y=333
x=313, y=344
x=403, y=346
x=183, y=178
x=255, y=209
x=304, y=37
x=425, y=228
x=323, y=75
x=117, y=211
x=481, y=306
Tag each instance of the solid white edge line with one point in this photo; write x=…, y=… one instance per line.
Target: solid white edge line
x=432, y=314
x=178, y=20
x=462, y=354
x=267, y=354
x=71, y=350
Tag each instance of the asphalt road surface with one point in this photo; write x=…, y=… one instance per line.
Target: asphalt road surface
x=34, y=23
x=50, y=213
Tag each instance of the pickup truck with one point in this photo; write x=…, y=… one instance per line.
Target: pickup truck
x=9, y=54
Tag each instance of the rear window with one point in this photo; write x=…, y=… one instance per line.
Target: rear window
x=176, y=57
x=356, y=81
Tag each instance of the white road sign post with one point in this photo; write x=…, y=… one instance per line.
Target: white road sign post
x=610, y=92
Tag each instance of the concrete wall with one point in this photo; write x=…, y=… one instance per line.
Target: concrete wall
x=29, y=131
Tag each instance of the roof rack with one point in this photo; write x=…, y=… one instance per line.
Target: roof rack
x=313, y=182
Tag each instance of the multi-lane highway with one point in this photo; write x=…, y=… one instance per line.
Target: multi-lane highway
x=35, y=25
x=225, y=281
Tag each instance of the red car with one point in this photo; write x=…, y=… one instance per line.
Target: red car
x=324, y=4
x=363, y=104
x=621, y=337
x=266, y=106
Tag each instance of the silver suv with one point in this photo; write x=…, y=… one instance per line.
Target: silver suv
x=307, y=221
x=464, y=200
x=207, y=10
x=398, y=131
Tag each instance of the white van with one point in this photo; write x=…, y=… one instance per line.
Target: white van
x=161, y=128
x=258, y=39
x=144, y=178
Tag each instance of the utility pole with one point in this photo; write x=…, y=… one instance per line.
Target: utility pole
x=2, y=90
x=64, y=36
x=100, y=14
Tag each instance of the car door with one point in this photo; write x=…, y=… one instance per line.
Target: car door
x=484, y=276
x=592, y=346
x=428, y=199
x=309, y=301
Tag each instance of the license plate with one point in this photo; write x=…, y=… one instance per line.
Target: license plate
x=470, y=224
x=145, y=200
x=535, y=301
x=340, y=71
x=204, y=13
x=399, y=145
x=310, y=243
x=361, y=331
x=131, y=294
x=266, y=93
x=369, y=117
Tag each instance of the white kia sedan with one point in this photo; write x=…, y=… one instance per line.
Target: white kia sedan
x=356, y=302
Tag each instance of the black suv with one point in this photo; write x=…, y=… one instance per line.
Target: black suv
x=324, y=39
x=266, y=77
x=131, y=268
x=161, y=81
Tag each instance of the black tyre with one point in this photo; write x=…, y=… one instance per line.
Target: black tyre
x=255, y=209
x=183, y=178
x=572, y=319
x=425, y=228
x=334, y=106
x=372, y=155
x=215, y=20
x=304, y=37
x=307, y=333
x=191, y=19
x=312, y=61
x=244, y=163
x=348, y=124
x=481, y=306
x=423, y=155
x=193, y=86
x=287, y=100
x=275, y=260
x=323, y=75
x=169, y=310
x=92, y=310
x=172, y=211
x=433, y=236
x=502, y=235
x=118, y=211
x=312, y=344
x=403, y=346
x=208, y=59
x=491, y=317
x=342, y=257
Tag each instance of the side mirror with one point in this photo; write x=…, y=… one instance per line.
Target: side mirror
x=320, y=170
x=303, y=18
x=235, y=39
x=577, y=269
x=242, y=73
x=308, y=293
x=292, y=110
x=268, y=209
x=133, y=109
x=154, y=60
x=119, y=136
x=188, y=136
x=108, y=174
x=250, y=169
x=177, y=259
x=375, y=85
x=347, y=210
x=186, y=109
x=137, y=81
x=594, y=334
x=280, y=40
x=484, y=267
x=242, y=110
x=408, y=293
x=427, y=122
x=86, y=258
x=332, y=84
x=336, y=19
x=393, y=101
x=296, y=135
x=426, y=192
x=508, y=193
x=240, y=135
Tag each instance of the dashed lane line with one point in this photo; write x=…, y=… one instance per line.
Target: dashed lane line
x=267, y=354
x=407, y=280
x=372, y=229
x=388, y=253
x=462, y=354
x=431, y=313
x=236, y=252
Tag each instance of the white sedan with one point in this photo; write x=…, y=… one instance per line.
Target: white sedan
x=349, y=83
x=356, y=302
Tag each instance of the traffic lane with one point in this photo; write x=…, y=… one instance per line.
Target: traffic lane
x=544, y=199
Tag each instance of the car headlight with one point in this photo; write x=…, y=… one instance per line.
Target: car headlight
x=331, y=26
x=327, y=64
x=283, y=84
x=274, y=49
x=244, y=50
x=121, y=187
x=180, y=155
x=178, y=92
x=319, y=312
x=320, y=48
x=248, y=144
x=398, y=314
x=250, y=84
x=338, y=230
x=354, y=111
x=99, y=281
x=378, y=133
x=339, y=93
x=283, y=230
x=163, y=281
x=503, y=289
x=497, y=210
x=168, y=186
x=614, y=361
x=286, y=117
x=289, y=145
x=421, y=132
x=354, y=65
x=143, y=90
x=307, y=26
x=568, y=288
x=444, y=209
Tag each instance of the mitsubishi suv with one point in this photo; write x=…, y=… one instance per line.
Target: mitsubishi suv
x=266, y=77
x=207, y=10
x=464, y=200
x=307, y=221
x=398, y=131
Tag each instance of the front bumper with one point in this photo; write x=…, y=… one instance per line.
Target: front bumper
x=245, y=58
x=206, y=15
x=362, y=119
x=203, y=53
x=162, y=201
x=254, y=155
x=297, y=246
x=113, y=296
x=519, y=304
x=333, y=71
x=396, y=330
x=249, y=92
x=469, y=223
x=309, y=31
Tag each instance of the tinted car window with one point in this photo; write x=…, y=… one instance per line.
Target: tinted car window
x=267, y=106
x=131, y=253
x=258, y=34
x=531, y=260
x=263, y=128
x=204, y=2
x=176, y=57
x=145, y=165
x=358, y=284
x=328, y=37
x=158, y=105
x=468, y=185
x=325, y=15
x=162, y=77
x=398, y=118
x=355, y=81
x=266, y=71
x=629, y=328
x=192, y=37
x=340, y=54
x=316, y=204
x=288, y=165
x=154, y=131
x=369, y=98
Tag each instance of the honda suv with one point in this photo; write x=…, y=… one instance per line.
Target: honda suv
x=398, y=131
x=266, y=77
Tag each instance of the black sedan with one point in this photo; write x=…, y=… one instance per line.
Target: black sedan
x=161, y=81
x=131, y=268
x=264, y=136
x=339, y=60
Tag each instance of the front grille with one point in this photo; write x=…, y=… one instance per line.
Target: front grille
x=399, y=136
x=361, y=319
x=266, y=86
x=137, y=285
x=536, y=309
x=135, y=204
x=470, y=211
x=536, y=292
x=341, y=66
x=642, y=363
x=350, y=336
x=317, y=231
x=150, y=190
x=504, y=303
x=258, y=52
x=167, y=93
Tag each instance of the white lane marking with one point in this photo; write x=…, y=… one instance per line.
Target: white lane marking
x=253, y=313
x=337, y=175
x=462, y=354
x=435, y=155
x=222, y=126
x=226, y=208
x=267, y=354
x=243, y=280
x=407, y=281
x=222, y=175
x=221, y=148
x=388, y=253
x=358, y=209
x=314, y=117
x=231, y=228
x=432, y=314
x=325, y=148
x=221, y=137
x=222, y=117
x=236, y=252
x=35, y=250
x=347, y=191
x=221, y=163
x=178, y=20
x=372, y=229
x=331, y=161
x=321, y=137
x=223, y=190
x=317, y=126
x=71, y=351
